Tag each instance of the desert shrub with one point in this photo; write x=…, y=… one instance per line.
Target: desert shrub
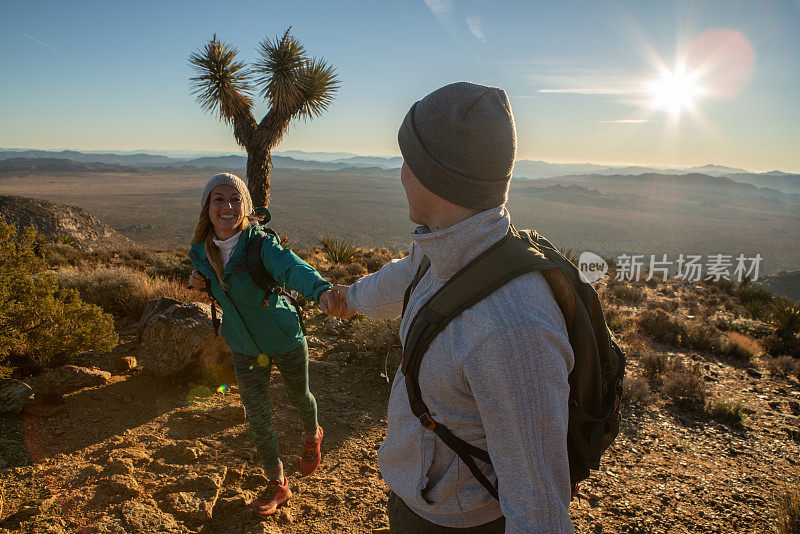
x=666, y=305
x=653, y=281
x=617, y=320
x=375, y=258
x=727, y=412
x=786, y=318
x=723, y=285
x=637, y=347
x=738, y=347
x=748, y=293
x=788, y=502
x=337, y=251
x=570, y=254
x=757, y=310
x=637, y=390
x=375, y=334
x=40, y=323
x=704, y=338
x=356, y=269
x=654, y=366
x=628, y=293
x=121, y=290
x=169, y=264
x=685, y=388
x=57, y=254
x=661, y=327
x=345, y=274
x=782, y=366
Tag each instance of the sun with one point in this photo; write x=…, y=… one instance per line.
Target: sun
x=675, y=91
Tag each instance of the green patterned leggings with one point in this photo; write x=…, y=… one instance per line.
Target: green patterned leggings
x=253, y=380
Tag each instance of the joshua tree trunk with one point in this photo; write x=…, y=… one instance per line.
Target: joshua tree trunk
x=259, y=164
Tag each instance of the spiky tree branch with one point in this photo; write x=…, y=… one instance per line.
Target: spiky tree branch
x=293, y=84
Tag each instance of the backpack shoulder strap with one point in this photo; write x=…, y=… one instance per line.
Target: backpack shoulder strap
x=499, y=264
x=255, y=265
x=424, y=265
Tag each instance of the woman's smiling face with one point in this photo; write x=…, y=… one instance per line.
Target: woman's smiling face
x=225, y=211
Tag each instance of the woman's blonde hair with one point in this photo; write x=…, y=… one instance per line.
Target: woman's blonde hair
x=204, y=232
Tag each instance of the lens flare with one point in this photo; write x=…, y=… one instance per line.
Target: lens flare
x=222, y=389
x=263, y=360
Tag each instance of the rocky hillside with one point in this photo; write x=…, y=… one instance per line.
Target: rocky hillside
x=60, y=221
x=709, y=432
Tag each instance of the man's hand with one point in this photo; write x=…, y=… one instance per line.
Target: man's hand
x=345, y=311
x=197, y=281
x=334, y=302
x=329, y=302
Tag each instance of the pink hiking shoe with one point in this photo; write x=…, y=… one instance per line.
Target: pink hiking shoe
x=272, y=497
x=312, y=455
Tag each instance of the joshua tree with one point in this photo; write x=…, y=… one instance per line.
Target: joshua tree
x=293, y=84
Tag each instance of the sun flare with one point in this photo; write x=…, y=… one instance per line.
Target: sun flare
x=675, y=91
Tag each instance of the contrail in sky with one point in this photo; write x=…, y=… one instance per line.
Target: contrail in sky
x=41, y=43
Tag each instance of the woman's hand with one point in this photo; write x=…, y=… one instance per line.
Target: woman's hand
x=197, y=281
x=334, y=302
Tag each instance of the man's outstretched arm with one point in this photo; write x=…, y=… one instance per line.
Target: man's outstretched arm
x=380, y=294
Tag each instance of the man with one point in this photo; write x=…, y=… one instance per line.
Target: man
x=496, y=376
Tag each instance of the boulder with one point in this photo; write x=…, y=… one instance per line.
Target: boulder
x=151, y=308
x=66, y=379
x=14, y=396
x=182, y=337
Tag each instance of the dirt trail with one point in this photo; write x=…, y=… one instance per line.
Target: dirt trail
x=142, y=455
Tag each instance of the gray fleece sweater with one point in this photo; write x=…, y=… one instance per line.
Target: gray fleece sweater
x=496, y=376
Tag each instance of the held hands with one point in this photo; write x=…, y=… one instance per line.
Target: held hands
x=334, y=302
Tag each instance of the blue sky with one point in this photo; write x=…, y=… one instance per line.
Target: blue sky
x=583, y=77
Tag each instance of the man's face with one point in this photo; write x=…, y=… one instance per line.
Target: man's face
x=418, y=197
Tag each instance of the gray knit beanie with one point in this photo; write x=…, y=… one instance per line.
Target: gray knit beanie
x=226, y=178
x=460, y=143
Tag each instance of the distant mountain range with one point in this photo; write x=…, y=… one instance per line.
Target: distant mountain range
x=337, y=161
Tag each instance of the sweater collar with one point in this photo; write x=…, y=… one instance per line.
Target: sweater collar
x=452, y=248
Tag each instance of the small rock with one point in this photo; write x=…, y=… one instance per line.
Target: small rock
x=118, y=466
x=124, y=364
x=753, y=373
x=179, y=453
x=15, y=395
x=68, y=378
x=254, y=481
x=122, y=487
x=194, y=506
x=88, y=472
x=146, y=517
x=201, y=479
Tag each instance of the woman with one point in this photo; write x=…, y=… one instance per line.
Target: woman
x=260, y=328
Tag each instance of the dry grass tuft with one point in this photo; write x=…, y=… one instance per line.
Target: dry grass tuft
x=121, y=290
x=727, y=412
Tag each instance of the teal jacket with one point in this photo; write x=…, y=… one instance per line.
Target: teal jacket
x=256, y=328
